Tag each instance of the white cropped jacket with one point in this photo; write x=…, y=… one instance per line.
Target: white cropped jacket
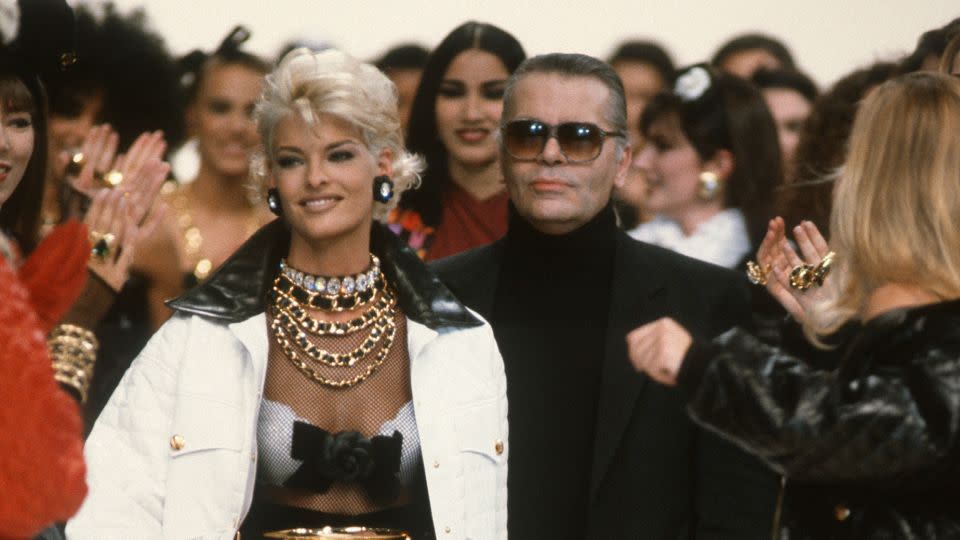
x=173, y=455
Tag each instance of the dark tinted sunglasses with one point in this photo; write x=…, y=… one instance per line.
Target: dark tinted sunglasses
x=579, y=141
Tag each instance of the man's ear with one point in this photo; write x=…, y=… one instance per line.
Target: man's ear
x=623, y=165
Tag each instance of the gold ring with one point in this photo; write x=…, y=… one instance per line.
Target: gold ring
x=757, y=274
x=822, y=268
x=109, y=179
x=102, y=246
x=801, y=277
x=76, y=163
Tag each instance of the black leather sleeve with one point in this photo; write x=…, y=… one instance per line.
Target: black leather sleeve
x=735, y=491
x=891, y=421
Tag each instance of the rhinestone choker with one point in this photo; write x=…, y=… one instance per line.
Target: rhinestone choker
x=331, y=286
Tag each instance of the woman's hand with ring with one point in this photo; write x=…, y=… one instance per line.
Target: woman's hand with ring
x=769, y=256
x=99, y=151
x=107, y=221
x=797, y=276
x=149, y=146
x=128, y=214
x=97, y=164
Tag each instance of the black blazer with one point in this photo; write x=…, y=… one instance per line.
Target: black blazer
x=655, y=473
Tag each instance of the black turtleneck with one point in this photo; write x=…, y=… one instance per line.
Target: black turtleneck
x=550, y=319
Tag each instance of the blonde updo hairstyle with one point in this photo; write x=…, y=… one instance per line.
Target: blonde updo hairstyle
x=896, y=209
x=333, y=83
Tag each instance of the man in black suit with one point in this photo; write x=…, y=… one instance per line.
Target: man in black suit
x=595, y=449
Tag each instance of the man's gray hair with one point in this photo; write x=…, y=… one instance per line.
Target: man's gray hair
x=576, y=65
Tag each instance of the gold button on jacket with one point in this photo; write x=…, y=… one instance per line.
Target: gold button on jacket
x=177, y=442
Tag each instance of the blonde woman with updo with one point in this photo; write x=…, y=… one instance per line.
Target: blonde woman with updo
x=322, y=376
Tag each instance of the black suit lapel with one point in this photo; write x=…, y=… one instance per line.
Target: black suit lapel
x=634, y=300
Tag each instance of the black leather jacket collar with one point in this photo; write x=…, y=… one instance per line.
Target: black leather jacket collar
x=237, y=290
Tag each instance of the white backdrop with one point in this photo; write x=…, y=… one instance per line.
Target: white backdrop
x=828, y=37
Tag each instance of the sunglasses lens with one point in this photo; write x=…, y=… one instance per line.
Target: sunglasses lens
x=524, y=139
x=579, y=141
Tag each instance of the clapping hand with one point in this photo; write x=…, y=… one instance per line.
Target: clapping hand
x=97, y=164
x=118, y=219
x=797, y=281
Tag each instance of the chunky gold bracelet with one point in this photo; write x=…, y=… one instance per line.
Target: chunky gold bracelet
x=74, y=376
x=74, y=331
x=64, y=347
x=73, y=350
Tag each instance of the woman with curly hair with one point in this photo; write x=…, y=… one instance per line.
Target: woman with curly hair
x=114, y=96
x=123, y=76
x=322, y=376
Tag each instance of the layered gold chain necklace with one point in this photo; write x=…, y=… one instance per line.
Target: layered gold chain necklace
x=295, y=293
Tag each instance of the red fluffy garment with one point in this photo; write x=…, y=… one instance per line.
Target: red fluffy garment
x=42, y=474
x=56, y=271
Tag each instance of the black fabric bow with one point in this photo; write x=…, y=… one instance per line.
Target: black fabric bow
x=347, y=456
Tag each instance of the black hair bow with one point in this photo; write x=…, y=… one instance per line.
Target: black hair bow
x=191, y=63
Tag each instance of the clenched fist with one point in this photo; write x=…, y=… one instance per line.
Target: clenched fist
x=658, y=349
